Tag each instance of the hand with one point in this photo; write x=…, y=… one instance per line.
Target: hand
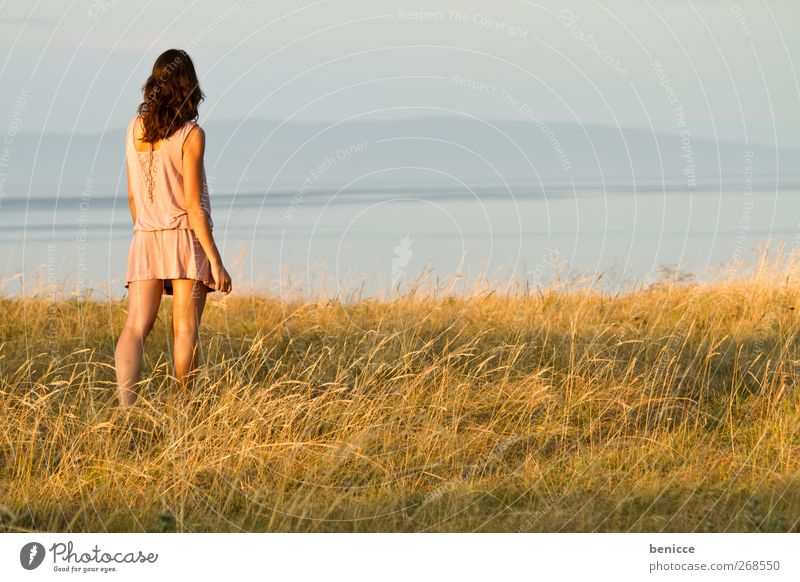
x=222, y=280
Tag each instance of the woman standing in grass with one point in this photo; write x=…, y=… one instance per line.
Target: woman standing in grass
x=173, y=250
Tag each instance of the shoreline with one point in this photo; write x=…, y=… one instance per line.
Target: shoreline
x=551, y=274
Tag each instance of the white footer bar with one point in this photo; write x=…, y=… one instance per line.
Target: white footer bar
x=404, y=557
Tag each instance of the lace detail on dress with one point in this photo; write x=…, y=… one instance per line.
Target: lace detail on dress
x=149, y=162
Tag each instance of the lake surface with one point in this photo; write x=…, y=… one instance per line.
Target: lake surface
x=377, y=240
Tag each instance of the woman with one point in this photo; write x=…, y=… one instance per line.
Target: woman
x=173, y=250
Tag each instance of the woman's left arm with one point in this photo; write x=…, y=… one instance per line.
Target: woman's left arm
x=131, y=201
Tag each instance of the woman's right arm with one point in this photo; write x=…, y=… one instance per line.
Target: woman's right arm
x=193, y=171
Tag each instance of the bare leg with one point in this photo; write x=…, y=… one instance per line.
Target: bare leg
x=187, y=309
x=144, y=299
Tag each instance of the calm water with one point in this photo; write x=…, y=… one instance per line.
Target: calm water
x=327, y=242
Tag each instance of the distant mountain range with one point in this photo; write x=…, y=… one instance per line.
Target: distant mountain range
x=255, y=155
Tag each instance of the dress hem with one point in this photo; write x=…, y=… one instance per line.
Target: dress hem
x=168, y=283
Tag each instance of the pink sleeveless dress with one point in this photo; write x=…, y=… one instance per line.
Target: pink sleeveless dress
x=164, y=245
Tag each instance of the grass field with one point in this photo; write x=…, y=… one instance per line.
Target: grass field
x=672, y=407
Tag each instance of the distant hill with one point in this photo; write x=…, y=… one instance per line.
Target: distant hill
x=455, y=152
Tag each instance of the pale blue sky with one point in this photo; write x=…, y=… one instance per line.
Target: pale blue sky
x=730, y=64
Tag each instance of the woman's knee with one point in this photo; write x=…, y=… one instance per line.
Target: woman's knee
x=135, y=332
x=185, y=332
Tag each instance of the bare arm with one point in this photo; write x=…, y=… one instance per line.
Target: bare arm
x=193, y=173
x=131, y=201
x=193, y=150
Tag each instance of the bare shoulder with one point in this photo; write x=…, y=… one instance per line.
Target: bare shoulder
x=136, y=126
x=195, y=141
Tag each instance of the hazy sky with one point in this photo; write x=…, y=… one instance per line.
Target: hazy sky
x=726, y=68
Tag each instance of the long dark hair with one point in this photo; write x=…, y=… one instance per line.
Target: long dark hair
x=171, y=95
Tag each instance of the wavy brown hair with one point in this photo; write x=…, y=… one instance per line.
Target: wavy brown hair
x=171, y=95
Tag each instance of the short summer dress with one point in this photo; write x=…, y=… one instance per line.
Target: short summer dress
x=164, y=246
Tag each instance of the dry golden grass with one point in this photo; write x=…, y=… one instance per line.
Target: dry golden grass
x=669, y=408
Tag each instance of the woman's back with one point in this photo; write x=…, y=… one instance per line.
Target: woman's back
x=156, y=179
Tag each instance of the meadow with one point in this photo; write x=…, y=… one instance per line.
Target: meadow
x=672, y=406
